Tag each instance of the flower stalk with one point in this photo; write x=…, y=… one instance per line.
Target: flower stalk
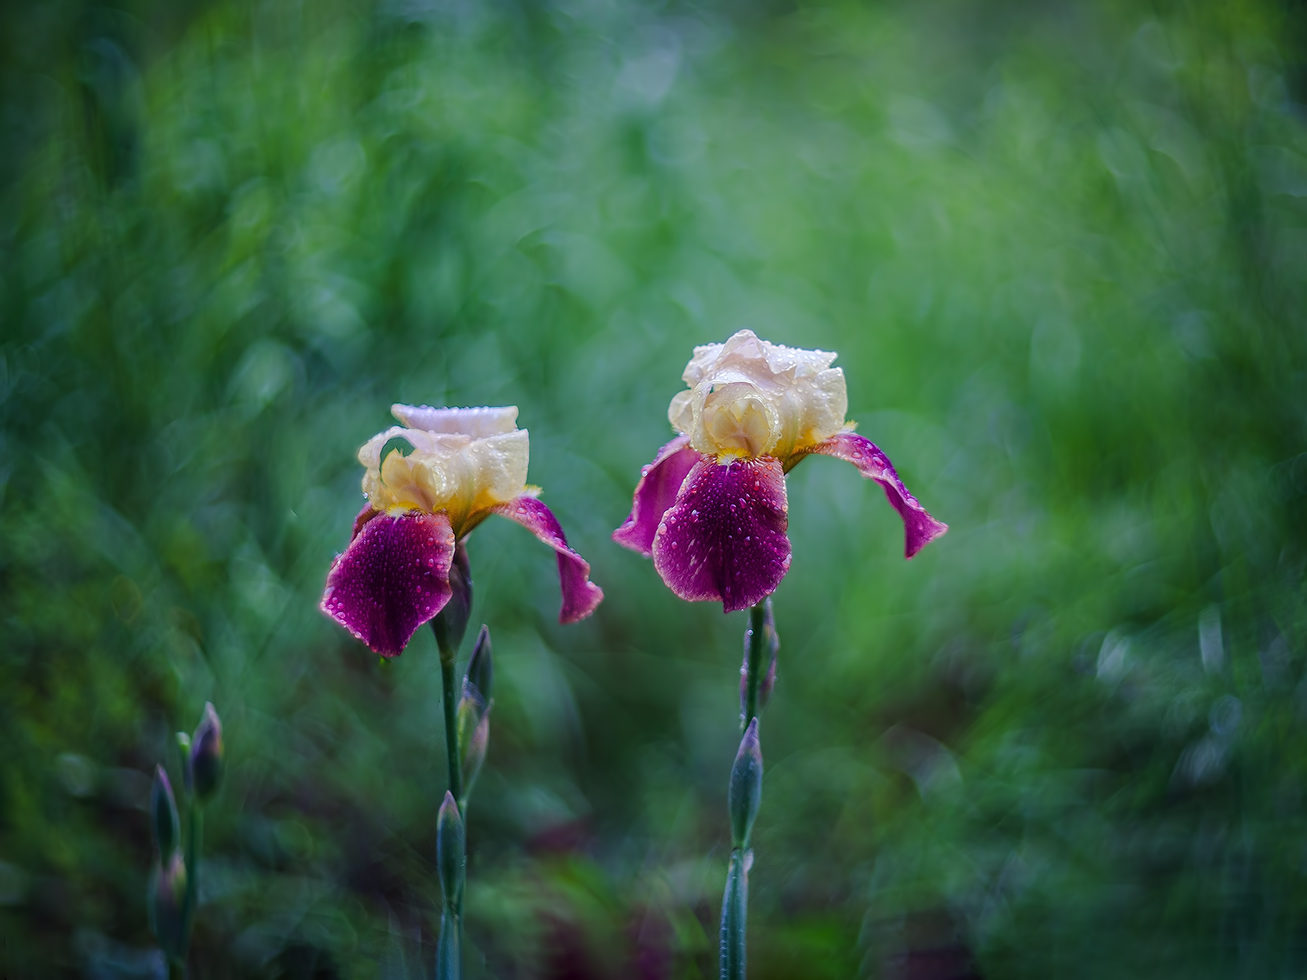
x=467, y=734
x=744, y=793
x=407, y=565
x=451, y=863
x=712, y=511
x=174, y=881
x=755, y=686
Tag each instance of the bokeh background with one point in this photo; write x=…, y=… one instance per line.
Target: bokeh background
x=1061, y=249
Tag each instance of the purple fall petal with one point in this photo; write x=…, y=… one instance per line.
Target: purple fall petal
x=919, y=527
x=724, y=539
x=365, y=515
x=580, y=595
x=659, y=484
x=393, y=577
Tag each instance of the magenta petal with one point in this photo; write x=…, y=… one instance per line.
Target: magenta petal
x=393, y=577
x=659, y=484
x=725, y=537
x=920, y=528
x=580, y=595
x=365, y=515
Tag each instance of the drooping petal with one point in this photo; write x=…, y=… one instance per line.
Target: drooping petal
x=580, y=595
x=724, y=539
x=659, y=484
x=919, y=527
x=393, y=577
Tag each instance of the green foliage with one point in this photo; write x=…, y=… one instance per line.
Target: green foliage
x=1059, y=249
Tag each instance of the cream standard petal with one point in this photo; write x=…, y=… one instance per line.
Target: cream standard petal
x=738, y=418
x=475, y=422
x=753, y=398
x=455, y=472
x=419, y=439
x=813, y=410
x=498, y=465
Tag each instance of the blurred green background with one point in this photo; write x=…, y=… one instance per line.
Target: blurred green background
x=1061, y=249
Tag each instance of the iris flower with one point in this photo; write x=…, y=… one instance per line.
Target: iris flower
x=711, y=508
x=466, y=464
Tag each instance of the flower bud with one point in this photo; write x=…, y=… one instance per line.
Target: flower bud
x=169, y=916
x=451, y=622
x=481, y=668
x=449, y=849
x=473, y=748
x=206, y=755
x=163, y=815
x=746, y=786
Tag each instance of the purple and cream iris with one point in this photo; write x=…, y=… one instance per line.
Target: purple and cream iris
x=465, y=464
x=711, y=508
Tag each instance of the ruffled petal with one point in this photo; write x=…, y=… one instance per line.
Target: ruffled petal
x=919, y=527
x=580, y=595
x=393, y=577
x=475, y=422
x=659, y=484
x=724, y=538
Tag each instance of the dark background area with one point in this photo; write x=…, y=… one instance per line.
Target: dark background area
x=1061, y=250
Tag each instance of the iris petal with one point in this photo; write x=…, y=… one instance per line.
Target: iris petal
x=724, y=538
x=919, y=527
x=393, y=577
x=580, y=595
x=659, y=484
x=366, y=514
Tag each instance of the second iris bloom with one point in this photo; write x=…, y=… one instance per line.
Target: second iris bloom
x=711, y=509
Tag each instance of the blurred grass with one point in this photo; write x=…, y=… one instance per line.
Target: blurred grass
x=1060, y=249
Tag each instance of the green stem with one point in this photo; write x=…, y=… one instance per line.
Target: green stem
x=753, y=672
x=449, y=683
x=735, y=902
x=449, y=952
x=735, y=914
x=195, y=817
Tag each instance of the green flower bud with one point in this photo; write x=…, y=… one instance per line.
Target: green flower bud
x=473, y=740
x=481, y=668
x=169, y=916
x=746, y=786
x=206, y=755
x=164, y=822
x=449, y=850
